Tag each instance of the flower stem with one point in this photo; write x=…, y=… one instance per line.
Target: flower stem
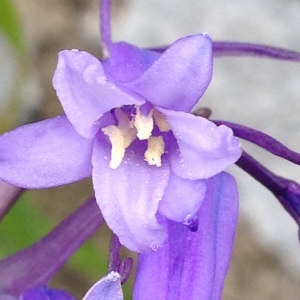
x=105, y=29
x=262, y=140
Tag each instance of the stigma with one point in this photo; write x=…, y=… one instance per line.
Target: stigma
x=136, y=125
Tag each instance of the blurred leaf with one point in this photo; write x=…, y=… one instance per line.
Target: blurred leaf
x=21, y=227
x=10, y=24
x=25, y=224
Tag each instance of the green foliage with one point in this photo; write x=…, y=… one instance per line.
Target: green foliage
x=26, y=223
x=21, y=227
x=10, y=24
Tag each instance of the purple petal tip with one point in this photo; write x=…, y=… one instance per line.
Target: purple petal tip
x=192, y=223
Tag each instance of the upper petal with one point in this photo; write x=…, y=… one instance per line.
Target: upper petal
x=44, y=154
x=180, y=76
x=128, y=196
x=193, y=265
x=127, y=62
x=84, y=91
x=107, y=288
x=204, y=148
x=182, y=198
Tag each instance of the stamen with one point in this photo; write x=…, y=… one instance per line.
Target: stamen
x=132, y=125
x=155, y=150
x=143, y=124
x=118, y=144
x=126, y=126
x=161, y=121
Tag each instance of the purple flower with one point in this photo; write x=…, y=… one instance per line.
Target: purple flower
x=128, y=125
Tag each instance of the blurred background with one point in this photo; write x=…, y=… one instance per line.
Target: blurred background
x=259, y=93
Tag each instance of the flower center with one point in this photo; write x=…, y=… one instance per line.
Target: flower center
x=136, y=125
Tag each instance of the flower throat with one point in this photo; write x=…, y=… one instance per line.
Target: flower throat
x=132, y=125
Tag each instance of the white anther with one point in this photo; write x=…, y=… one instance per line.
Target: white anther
x=117, y=144
x=143, y=124
x=155, y=150
x=161, y=121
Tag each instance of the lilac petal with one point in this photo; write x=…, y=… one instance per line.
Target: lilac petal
x=44, y=154
x=84, y=91
x=263, y=140
x=127, y=62
x=204, y=148
x=180, y=76
x=182, y=198
x=107, y=288
x=45, y=293
x=248, y=49
x=9, y=194
x=35, y=266
x=193, y=265
x=128, y=196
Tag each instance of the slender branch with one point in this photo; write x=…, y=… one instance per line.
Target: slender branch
x=247, y=49
x=221, y=49
x=262, y=140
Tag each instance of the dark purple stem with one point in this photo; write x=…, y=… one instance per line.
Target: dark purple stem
x=124, y=267
x=286, y=191
x=114, y=261
x=221, y=49
x=105, y=29
x=263, y=140
x=250, y=165
x=248, y=49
